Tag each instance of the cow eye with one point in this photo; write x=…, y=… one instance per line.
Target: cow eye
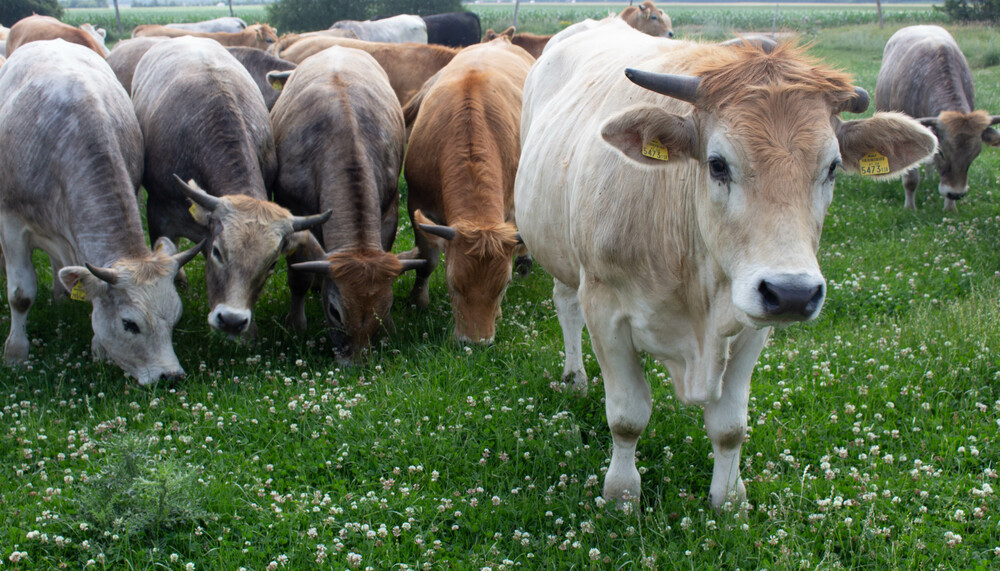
x=274, y=264
x=832, y=173
x=217, y=254
x=130, y=326
x=718, y=168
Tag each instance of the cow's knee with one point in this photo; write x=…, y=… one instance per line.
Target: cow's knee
x=20, y=301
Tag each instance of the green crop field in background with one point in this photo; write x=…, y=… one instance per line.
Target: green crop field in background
x=873, y=430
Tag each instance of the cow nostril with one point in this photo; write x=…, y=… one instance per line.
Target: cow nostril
x=955, y=196
x=169, y=376
x=670, y=34
x=781, y=300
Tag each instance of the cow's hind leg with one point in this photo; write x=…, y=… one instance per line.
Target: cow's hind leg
x=571, y=321
x=22, y=287
x=911, y=179
x=628, y=402
x=726, y=418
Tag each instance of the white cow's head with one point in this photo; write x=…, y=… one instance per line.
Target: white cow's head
x=135, y=308
x=766, y=133
x=246, y=236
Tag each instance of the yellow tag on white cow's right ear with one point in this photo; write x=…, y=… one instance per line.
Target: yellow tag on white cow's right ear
x=873, y=164
x=194, y=211
x=655, y=150
x=277, y=85
x=77, y=293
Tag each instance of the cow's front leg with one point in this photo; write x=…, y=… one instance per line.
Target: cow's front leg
x=726, y=418
x=428, y=248
x=571, y=321
x=911, y=179
x=22, y=287
x=628, y=402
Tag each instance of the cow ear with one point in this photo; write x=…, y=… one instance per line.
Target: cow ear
x=651, y=136
x=890, y=144
x=294, y=241
x=509, y=32
x=165, y=246
x=81, y=284
x=278, y=79
x=991, y=137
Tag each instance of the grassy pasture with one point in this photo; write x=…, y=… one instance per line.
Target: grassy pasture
x=873, y=444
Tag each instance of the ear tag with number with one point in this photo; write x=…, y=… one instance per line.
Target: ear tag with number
x=655, y=150
x=874, y=163
x=77, y=293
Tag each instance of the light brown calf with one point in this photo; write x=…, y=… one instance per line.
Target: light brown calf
x=648, y=19
x=531, y=43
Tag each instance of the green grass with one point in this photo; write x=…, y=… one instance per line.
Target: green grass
x=873, y=438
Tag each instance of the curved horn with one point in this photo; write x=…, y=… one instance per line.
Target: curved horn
x=446, y=232
x=927, y=121
x=107, y=274
x=317, y=267
x=994, y=119
x=683, y=87
x=858, y=103
x=187, y=255
x=307, y=222
x=198, y=196
x=413, y=265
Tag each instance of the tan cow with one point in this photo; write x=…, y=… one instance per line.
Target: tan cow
x=460, y=164
x=407, y=65
x=531, y=43
x=648, y=19
x=679, y=213
x=286, y=40
x=352, y=168
x=35, y=27
x=260, y=36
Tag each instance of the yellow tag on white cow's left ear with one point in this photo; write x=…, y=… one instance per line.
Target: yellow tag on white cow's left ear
x=655, y=150
x=77, y=293
x=874, y=163
x=277, y=85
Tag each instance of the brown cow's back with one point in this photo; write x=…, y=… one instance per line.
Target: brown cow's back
x=407, y=65
x=35, y=28
x=259, y=36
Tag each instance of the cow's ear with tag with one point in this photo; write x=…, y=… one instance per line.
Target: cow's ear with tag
x=200, y=215
x=884, y=146
x=651, y=136
x=81, y=284
x=278, y=79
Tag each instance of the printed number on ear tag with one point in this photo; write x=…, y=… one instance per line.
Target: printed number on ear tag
x=655, y=150
x=77, y=293
x=874, y=163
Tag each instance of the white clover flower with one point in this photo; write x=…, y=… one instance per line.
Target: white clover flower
x=595, y=553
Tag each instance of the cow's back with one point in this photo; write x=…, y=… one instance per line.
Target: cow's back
x=126, y=55
x=339, y=133
x=473, y=103
x=924, y=72
x=38, y=28
x=203, y=117
x=79, y=151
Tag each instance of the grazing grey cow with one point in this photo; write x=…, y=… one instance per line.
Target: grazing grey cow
x=339, y=132
x=685, y=221
x=203, y=118
x=68, y=187
x=259, y=63
x=230, y=24
x=400, y=29
x=924, y=74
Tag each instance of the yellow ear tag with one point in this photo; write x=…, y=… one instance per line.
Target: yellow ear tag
x=874, y=163
x=655, y=150
x=194, y=211
x=77, y=293
x=277, y=85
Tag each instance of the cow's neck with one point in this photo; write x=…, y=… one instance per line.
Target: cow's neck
x=105, y=226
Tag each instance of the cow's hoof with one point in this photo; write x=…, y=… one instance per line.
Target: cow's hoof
x=421, y=299
x=295, y=322
x=578, y=380
x=15, y=353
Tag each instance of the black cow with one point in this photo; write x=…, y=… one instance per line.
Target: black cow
x=455, y=29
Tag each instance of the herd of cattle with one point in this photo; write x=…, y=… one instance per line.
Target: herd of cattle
x=647, y=175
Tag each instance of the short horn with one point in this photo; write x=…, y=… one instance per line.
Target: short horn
x=317, y=267
x=446, y=232
x=307, y=222
x=518, y=238
x=682, y=87
x=107, y=274
x=413, y=264
x=927, y=121
x=858, y=103
x=187, y=255
x=994, y=119
x=198, y=196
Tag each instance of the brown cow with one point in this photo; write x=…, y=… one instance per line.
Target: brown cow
x=531, y=43
x=648, y=19
x=35, y=27
x=407, y=65
x=259, y=36
x=352, y=168
x=286, y=40
x=460, y=165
